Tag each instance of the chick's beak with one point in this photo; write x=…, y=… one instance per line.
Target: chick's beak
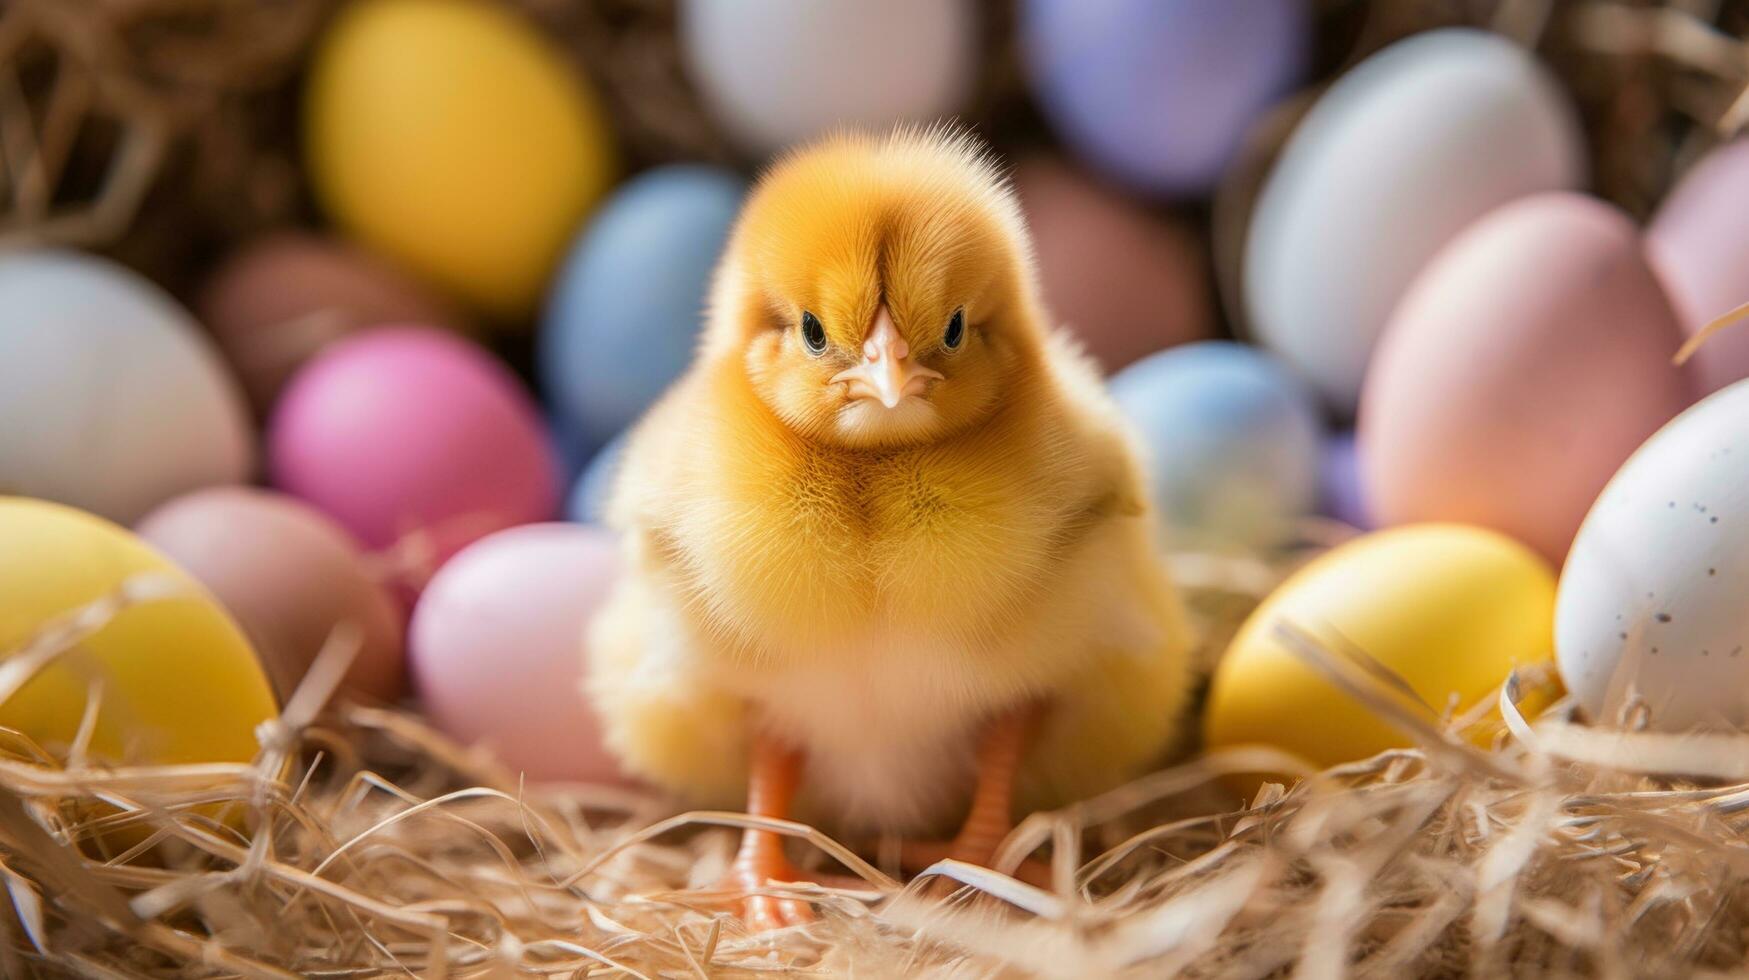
x=886, y=373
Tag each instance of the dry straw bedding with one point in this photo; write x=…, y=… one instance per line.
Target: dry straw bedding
x=361, y=843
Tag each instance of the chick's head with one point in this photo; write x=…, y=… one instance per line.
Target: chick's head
x=878, y=290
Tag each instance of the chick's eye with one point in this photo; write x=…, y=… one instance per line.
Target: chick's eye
x=956, y=331
x=813, y=334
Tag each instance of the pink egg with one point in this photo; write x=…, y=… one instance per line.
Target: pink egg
x=290, y=576
x=409, y=435
x=1699, y=243
x=1524, y=365
x=1124, y=281
x=282, y=297
x=497, y=648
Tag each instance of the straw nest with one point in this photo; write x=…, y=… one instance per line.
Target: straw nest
x=361, y=843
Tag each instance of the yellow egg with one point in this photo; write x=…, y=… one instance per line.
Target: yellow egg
x=1450, y=608
x=452, y=137
x=179, y=683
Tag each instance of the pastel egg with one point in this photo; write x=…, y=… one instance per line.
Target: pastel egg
x=1127, y=284
x=1449, y=609
x=1651, y=606
x=290, y=576
x=1699, y=243
x=497, y=648
x=1524, y=365
x=775, y=72
x=1340, y=492
x=589, y=495
x=1160, y=95
x=1232, y=440
x=454, y=138
x=1401, y=153
x=627, y=304
x=111, y=399
x=282, y=297
x=177, y=680
x=399, y=432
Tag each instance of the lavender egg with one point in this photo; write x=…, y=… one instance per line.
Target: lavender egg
x=1160, y=95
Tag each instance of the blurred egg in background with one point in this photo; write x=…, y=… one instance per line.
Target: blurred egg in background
x=1160, y=95
x=413, y=433
x=775, y=72
x=497, y=648
x=1125, y=282
x=1232, y=442
x=587, y=503
x=176, y=680
x=626, y=305
x=1449, y=609
x=112, y=399
x=1699, y=243
x=1527, y=361
x=1651, y=610
x=281, y=297
x=451, y=136
x=290, y=576
x=1340, y=492
x=1396, y=158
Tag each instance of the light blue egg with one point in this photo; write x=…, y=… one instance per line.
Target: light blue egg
x=588, y=501
x=626, y=305
x=1160, y=93
x=1233, y=442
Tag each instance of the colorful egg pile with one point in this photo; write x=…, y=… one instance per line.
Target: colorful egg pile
x=1456, y=355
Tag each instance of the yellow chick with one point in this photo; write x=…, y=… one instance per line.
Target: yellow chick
x=888, y=542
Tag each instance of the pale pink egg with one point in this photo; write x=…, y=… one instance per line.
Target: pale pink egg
x=1524, y=365
x=1699, y=243
x=290, y=576
x=413, y=436
x=1126, y=282
x=497, y=648
x=282, y=297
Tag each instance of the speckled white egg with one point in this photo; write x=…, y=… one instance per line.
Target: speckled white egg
x=1652, y=600
x=774, y=72
x=1395, y=159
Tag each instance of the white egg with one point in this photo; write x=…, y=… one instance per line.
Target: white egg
x=777, y=71
x=1401, y=153
x=1652, y=600
x=111, y=398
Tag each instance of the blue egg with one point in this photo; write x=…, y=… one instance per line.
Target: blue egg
x=569, y=448
x=1340, y=492
x=1160, y=93
x=1233, y=443
x=627, y=303
x=588, y=501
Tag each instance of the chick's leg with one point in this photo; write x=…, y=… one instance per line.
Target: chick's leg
x=998, y=765
x=773, y=774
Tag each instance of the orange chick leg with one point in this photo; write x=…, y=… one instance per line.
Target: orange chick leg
x=992, y=814
x=773, y=775
x=1000, y=750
